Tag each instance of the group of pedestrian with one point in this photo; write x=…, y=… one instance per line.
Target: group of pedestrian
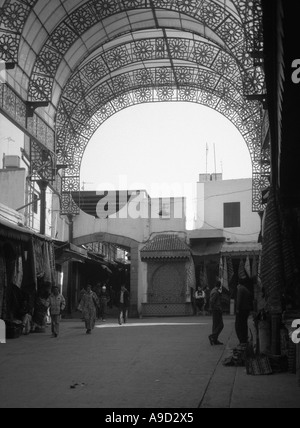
x=92, y=304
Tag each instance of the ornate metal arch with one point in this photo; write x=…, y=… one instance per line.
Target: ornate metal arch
x=79, y=135
x=234, y=33
x=227, y=22
x=204, y=56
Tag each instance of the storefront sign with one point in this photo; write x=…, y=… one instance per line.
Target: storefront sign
x=296, y=333
x=2, y=332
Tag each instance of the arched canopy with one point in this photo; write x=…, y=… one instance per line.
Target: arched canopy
x=92, y=58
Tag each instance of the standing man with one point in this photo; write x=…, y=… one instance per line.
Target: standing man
x=123, y=301
x=217, y=314
x=57, y=305
x=244, y=305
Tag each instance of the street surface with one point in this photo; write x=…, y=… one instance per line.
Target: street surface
x=149, y=363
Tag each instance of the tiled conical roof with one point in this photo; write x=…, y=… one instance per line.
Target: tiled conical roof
x=166, y=247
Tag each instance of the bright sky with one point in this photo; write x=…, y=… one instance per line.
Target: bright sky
x=162, y=148
x=156, y=147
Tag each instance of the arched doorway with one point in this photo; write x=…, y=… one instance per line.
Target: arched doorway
x=130, y=277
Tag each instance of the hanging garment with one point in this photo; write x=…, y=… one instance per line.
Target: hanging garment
x=47, y=264
x=242, y=272
x=272, y=269
x=3, y=283
x=38, y=257
x=191, y=274
x=254, y=268
x=17, y=276
x=248, y=267
x=203, y=276
x=230, y=269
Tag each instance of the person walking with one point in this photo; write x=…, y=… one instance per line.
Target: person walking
x=217, y=314
x=244, y=305
x=57, y=304
x=199, y=300
x=88, y=306
x=123, y=301
x=104, y=299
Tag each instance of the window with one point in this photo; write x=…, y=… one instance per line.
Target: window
x=232, y=215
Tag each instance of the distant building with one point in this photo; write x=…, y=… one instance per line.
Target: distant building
x=227, y=231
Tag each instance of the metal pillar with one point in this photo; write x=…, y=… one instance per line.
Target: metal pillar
x=43, y=184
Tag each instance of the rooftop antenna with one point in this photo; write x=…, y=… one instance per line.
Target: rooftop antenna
x=84, y=184
x=215, y=162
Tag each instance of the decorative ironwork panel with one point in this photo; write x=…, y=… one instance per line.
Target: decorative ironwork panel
x=189, y=70
x=16, y=108
x=42, y=163
x=13, y=105
x=68, y=206
x=149, y=94
x=215, y=16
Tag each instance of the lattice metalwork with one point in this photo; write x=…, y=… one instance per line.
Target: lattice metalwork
x=16, y=109
x=249, y=127
x=226, y=24
x=126, y=56
x=42, y=163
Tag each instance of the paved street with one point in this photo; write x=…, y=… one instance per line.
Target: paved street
x=149, y=363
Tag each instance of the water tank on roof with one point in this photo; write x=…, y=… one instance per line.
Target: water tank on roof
x=11, y=162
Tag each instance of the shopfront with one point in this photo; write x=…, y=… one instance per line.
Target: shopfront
x=27, y=274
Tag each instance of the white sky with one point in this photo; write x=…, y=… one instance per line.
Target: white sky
x=157, y=147
x=162, y=148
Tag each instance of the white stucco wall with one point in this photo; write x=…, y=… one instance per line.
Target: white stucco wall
x=211, y=198
x=12, y=184
x=139, y=228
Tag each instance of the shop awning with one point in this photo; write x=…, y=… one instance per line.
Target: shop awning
x=166, y=247
x=70, y=252
x=205, y=248
x=19, y=232
x=67, y=252
x=241, y=249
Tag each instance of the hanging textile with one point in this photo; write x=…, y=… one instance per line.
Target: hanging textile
x=38, y=257
x=272, y=273
x=230, y=269
x=242, y=272
x=191, y=274
x=221, y=268
x=47, y=264
x=17, y=276
x=225, y=274
x=254, y=268
x=292, y=286
x=248, y=267
x=3, y=284
x=203, y=276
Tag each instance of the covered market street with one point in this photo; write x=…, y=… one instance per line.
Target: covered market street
x=148, y=363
